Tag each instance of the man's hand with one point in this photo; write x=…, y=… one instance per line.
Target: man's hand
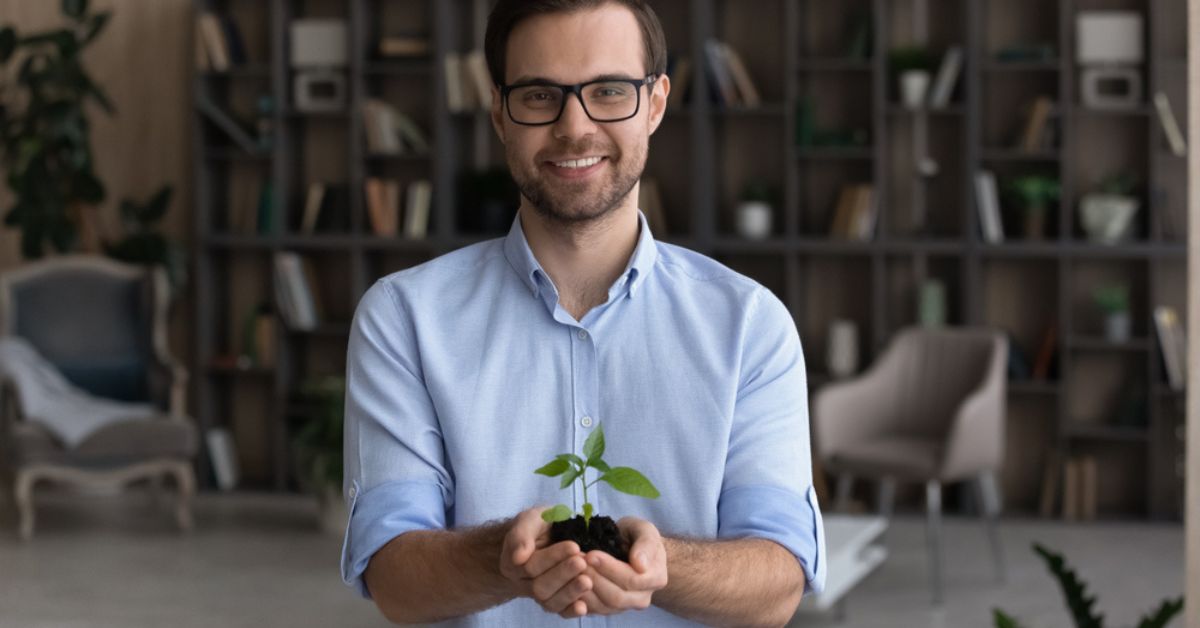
x=616, y=586
x=553, y=575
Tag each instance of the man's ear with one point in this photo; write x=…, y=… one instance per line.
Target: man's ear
x=658, y=101
x=497, y=112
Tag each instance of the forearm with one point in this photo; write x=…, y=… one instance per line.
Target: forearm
x=431, y=575
x=744, y=582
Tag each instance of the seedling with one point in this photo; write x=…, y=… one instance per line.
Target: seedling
x=572, y=468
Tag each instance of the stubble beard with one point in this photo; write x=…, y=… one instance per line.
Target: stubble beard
x=579, y=204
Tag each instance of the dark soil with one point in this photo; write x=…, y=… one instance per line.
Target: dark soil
x=602, y=535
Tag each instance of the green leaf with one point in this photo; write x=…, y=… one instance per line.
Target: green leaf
x=593, y=447
x=74, y=8
x=555, y=467
x=1074, y=589
x=556, y=514
x=98, y=23
x=573, y=459
x=1003, y=620
x=1161, y=617
x=587, y=511
x=599, y=464
x=570, y=476
x=157, y=207
x=629, y=480
x=8, y=43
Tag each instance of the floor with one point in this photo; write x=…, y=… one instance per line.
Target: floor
x=258, y=560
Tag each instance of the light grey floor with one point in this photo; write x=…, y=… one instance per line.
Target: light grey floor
x=257, y=560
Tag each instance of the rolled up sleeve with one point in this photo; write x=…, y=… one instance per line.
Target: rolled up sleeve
x=396, y=477
x=767, y=491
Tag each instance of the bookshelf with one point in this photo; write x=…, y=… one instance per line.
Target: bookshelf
x=798, y=53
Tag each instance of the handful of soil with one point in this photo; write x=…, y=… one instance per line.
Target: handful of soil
x=603, y=534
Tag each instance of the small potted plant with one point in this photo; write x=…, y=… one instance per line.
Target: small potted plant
x=1107, y=214
x=912, y=67
x=1034, y=193
x=754, y=213
x=1113, y=300
x=589, y=531
x=318, y=442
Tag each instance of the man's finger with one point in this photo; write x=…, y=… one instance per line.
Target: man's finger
x=550, y=583
x=578, y=608
x=616, y=571
x=593, y=604
x=566, y=597
x=614, y=597
x=545, y=559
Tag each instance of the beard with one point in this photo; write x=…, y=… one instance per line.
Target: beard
x=579, y=203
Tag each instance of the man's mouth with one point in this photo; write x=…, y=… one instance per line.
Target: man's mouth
x=585, y=162
x=575, y=168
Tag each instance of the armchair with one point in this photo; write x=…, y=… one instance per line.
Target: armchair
x=102, y=325
x=930, y=410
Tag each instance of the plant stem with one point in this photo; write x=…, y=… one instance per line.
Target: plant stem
x=586, y=519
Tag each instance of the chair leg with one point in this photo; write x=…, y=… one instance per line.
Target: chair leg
x=845, y=485
x=185, y=482
x=885, y=496
x=23, y=493
x=933, y=513
x=989, y=500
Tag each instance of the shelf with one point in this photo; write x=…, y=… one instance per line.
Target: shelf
x=1090, y=343
x=1141, y=111
x=397, y=243
x=231, y=153
x=1049, y=65
x=1033, y=387
x=737, y=244
x=248, y=71
x=413, y=68
x=1129, y=250
x=946, y=246
x=252, y=371
x=952, y=110
x=1015, y=155
x=850, y=153
x=318, y=242
x=837, y=247
x=416, y=158
x=1023, y=249
x=1110, y=433
x=764, y=110
x=835, y=64
x=239, y=241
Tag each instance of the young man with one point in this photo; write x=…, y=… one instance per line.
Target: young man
x=470, y=371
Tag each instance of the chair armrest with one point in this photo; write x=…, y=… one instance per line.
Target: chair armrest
x=975, y=441
x=171, y=378
x=849, y=411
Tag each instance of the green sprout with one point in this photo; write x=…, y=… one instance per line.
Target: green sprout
x=572, y=467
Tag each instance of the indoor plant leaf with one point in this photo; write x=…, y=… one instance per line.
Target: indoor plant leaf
x=1074, y=589
x=8, y=43
x=572, y=458
x=599, y=464
x=558, y=466
x=98, y=22
x=629, y=480
x=556, y=514
x=593, y=447
x=1003, y=620
x=74, y=8
x=1164, y=614
x=570, y=476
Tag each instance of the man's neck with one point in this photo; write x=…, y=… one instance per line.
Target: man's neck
x=582, y=263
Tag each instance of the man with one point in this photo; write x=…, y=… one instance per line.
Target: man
x=470, y=371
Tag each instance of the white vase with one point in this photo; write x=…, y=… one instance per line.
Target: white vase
x=914, y=85
x=1117, y=327
x=1107, y=218
x=841, y=355
x=754, y=220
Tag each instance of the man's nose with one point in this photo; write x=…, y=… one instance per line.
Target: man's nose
x=574, y=121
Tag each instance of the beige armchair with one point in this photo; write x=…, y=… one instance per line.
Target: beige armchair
x=930, y=410
x=101, y=325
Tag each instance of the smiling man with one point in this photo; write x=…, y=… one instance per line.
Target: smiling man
x=467, y=372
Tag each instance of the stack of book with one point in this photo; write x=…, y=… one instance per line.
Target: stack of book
x=403, y=45
x=855, y=214
x=296, y=292
x=384, y=210
x=987, y=200
x=1079, y=488
x=468, y=83
x=728, y=74
x=219, y=43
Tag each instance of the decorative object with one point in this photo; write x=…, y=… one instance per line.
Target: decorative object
x=319, y=43
x=912, y=66
x=754, y=212
x=318, y=442
x=1081, y=605
x=931, y=308
x=1113, y=300
x=142, y=244
x=45, y=143
x=841, y=357
x=319, y=91
x=1107, y=214
x=1110, y=49
x=1033, y=194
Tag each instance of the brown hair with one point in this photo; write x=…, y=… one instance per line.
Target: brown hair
x=508, y=13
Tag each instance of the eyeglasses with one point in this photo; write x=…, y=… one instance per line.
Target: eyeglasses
x=607, y=100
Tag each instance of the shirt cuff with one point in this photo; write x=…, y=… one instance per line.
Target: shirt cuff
x=782, y=516
x=382, y=514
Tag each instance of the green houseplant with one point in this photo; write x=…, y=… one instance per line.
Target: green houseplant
x=912, y=67
x=1113, y=301
x=1082, y=606
x=318, y=444
x=1033, y=194
x=143, y=244
x=589, y=531
x=45, y=143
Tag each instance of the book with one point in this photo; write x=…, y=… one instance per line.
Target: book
x=416, y=210
x=1033, y=138
x=1046, y=351
x=718, y=70
x=1172, y=342
x=222, y=453
x=403, y=46
x=382, y=212
x=213, y=35
x=1170, y=125
x=456, y=99
x=865, y=213
x=747, y=92
x=295, y=289
x=479, y=78
x=236, y=46
x=312, y=207
x=265, y=348
x=680, y=73
x=987, y=200
x=839, y=227
x=226, y=123
x=947, y=77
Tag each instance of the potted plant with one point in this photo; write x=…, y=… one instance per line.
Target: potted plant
x=1107, y=214
x=1033, y=194
x=589, y=531
x=754, y=213
x=143, y=244
x=1113, y=300
x=318, y=443
x=1081, y=605
x=45, y=142
x=912, y=67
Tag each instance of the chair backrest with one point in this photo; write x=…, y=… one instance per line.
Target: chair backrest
x=93, y=318
x=933, y=371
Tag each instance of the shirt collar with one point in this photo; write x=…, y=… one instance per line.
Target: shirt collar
x=520, y=257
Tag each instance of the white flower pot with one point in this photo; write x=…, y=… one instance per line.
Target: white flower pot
x=914, y=85
x=754, y=220
x=1117, y=327
x=1107, y=218
x=841, y=356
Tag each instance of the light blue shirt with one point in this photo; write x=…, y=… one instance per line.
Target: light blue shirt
x=464, y=374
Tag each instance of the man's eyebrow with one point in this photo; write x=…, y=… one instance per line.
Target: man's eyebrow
x=541, y=80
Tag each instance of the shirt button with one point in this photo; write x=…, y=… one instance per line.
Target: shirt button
x=586, y=421
x=353, y=492
x=583, y=334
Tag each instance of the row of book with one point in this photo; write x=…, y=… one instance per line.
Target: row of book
x=468, y=83
x=1172, y=342
x=296, y=293
x=386, y=214
x=1078, y=476
x=856, y=213
x=218, y=42
x=727, y=72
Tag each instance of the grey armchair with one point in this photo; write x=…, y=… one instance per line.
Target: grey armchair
x=930, y=410
x=102, y=324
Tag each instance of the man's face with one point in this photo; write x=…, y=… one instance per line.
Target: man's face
x=570, y=48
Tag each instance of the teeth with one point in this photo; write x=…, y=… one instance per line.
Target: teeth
x=578, y=163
